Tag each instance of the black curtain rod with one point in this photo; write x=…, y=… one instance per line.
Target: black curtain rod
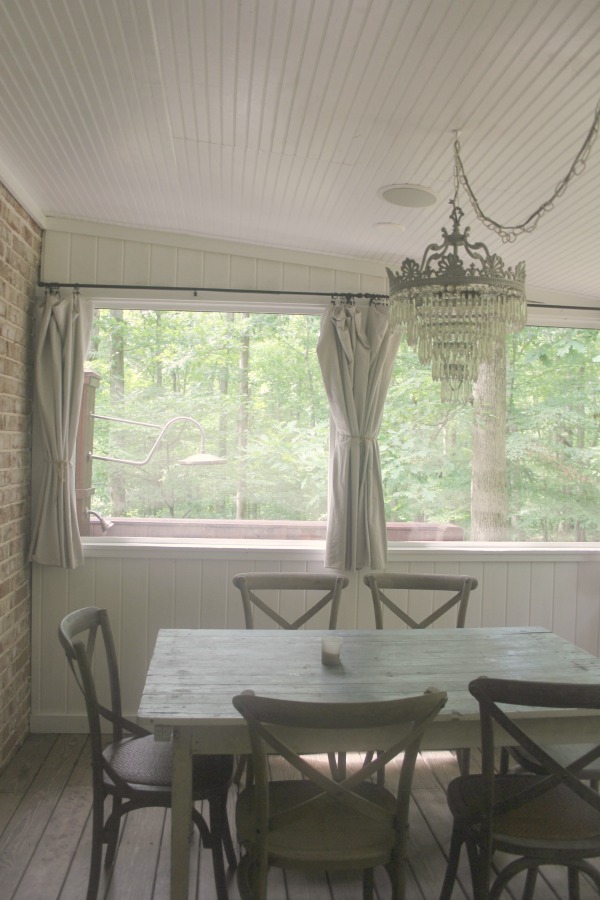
x=53, y=285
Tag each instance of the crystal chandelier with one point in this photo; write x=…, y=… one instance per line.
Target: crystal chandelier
x=454, y=310
x=461, y=300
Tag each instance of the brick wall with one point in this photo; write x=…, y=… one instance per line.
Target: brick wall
x=20, y=246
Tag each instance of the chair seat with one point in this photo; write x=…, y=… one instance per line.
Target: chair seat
x=144, y=761
x=563, y=754
x=328, y=832
x=559, y=816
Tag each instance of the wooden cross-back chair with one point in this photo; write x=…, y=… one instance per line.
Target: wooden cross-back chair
x=459, y=586
x=248, y=583
x=330, y=586
x=541, y=819
x=317, y=824
x=134, y=770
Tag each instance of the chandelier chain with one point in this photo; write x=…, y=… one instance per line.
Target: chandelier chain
x=509, y=233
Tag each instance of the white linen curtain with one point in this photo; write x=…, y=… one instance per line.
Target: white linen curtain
x=62, y=332
x=356, y=352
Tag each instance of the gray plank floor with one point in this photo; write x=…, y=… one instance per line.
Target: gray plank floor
x=45, y=832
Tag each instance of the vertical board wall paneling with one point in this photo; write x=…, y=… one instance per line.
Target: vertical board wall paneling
x=163, y=265
x=565, y=599
x=136, y=263
x=518, y=593
x=161, y=595
x=542, y=588
x=148, y=591
x=587, y=630
x=494, y=584
x=54, y=692
x=109, y=267
x=243, y=272
x=213, y=610
x=95, y=254
x=269, y=274
x=84, y=258
x=135, y=651
x=190, y=267
x=188, y=575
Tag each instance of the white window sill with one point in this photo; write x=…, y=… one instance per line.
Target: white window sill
x=315, y=550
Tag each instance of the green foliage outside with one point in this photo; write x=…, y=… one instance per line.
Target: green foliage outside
x=191, y=364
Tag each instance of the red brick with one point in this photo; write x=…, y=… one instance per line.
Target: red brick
x=20, y=247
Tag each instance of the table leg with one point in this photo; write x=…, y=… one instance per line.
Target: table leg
x=181, y=813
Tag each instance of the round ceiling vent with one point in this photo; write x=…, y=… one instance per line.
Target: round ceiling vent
x=414, y=195
x=389, y=226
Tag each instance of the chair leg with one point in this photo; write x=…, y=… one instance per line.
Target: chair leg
x=97, y=844
x=592, y=873
x=228, y=842
x=573, y=881
x=218, y=818
x=205, y=835
x=480, y=866
x=508, y=873
x=337, y=765
x=463, y=758
x=239, y=769
x=530, y=881
x=243, y=879
x=111, y=832
x=368, y=884
x=452, y=866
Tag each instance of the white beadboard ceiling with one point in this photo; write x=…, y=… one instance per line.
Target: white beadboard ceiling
x=276, y=122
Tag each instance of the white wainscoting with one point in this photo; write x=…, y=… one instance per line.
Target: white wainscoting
x=150, y=586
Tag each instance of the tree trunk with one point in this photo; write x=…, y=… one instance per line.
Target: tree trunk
x=241, y=500
x=489, y=495
x=118, y=492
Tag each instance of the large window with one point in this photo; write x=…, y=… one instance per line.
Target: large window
x=524, y=468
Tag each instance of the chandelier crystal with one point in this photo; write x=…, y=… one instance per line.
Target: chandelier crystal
x=454, y=310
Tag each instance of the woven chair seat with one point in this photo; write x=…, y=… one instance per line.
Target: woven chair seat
x=328, y=830
x=150, y=762
x=550, y=817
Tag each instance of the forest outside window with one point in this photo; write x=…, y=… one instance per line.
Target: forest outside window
x=519, y=463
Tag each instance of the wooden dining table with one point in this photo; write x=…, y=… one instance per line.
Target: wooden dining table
x=194, y=673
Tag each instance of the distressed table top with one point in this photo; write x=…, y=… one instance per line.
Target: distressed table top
x=194, y=674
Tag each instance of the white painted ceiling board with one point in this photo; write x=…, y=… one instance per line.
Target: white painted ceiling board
x=277, y=121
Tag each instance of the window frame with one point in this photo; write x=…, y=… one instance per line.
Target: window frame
x=298, y=303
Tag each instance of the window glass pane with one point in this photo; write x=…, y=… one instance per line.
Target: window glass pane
x=550, y=490
x=528, y=471
x=251, y=381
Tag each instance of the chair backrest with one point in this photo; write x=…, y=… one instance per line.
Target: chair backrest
x=87, y=640
x=489, y=692
x=250, y=582
x=459, y=586
x=78, y=633
x=395, y=726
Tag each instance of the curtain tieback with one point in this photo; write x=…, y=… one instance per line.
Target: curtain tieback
x=61, y=467
x=357, y=437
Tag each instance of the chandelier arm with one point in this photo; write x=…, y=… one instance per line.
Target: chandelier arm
x=509, y=233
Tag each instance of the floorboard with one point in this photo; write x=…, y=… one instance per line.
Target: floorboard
x=45, y=837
